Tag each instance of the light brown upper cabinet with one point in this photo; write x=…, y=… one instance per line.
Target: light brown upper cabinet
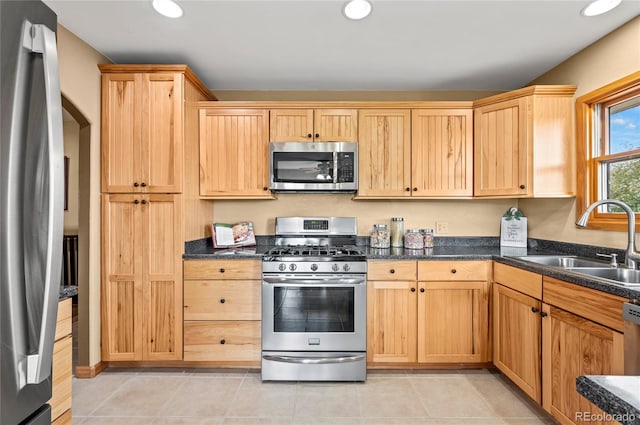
x=415, y=153
x=442, y=152
x=384, y=152
x=524, y=143
x=142, y=132
x=314, y=125
x=234, y=153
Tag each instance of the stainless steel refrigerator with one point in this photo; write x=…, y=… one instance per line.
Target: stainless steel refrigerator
x=31, y=209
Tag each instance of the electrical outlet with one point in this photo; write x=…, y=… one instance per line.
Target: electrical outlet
x=442, y=227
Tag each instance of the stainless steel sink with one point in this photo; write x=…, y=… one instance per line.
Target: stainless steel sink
x=624, y=276
x=563, y=261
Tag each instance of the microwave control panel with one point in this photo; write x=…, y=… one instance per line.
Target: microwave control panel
x=345, y=167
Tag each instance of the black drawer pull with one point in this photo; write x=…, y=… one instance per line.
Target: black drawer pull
x=135, y=201
x=454, y=271
x=222, y=341
x=221, y=270
x=421, y=289
x=222, y=301
x=535, y=309
x=143, y=184
x=413, y=289
x=135, y=184
x=543, y=314
x=392, y=271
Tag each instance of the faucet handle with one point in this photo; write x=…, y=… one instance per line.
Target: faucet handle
x=613, y=257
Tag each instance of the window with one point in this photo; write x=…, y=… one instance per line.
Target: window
x=608, y=134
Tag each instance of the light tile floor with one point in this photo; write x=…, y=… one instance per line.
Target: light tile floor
x=212, y=397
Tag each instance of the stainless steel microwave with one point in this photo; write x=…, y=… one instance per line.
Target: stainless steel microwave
x=313, y=166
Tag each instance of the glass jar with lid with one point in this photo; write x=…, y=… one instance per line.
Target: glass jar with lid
x=413, y=239
x=427, y=236
x=379, y=237
x=397, y=231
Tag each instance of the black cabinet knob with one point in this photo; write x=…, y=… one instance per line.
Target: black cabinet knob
x=392, y=271
x=543, y=314
x=454, y=271
x=221, y=270
x=135, y=201
x=222, y=341
x=222, y=301
x=309, y=135
x=413, y=289
x=135, y=184
x=317, y=135
x=265, y=188
x=415, y=189
x=421, y=289
x=535, y=309
x=522, y=186
x=144, y=201
x=408, y=189
x=143, y=184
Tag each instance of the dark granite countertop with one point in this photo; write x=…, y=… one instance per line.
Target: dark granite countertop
x=451, y=248
x=618, y=396
x=68, y=292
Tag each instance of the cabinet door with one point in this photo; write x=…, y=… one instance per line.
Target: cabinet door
x=121, y=318
x=453, y=322
x=161, y=127
x=391, y=322
x=502, y=149
x=291, y=125
x=516, y=338
x=574, y=346
x=234, y=153
x=121, y=155
x=335, y=125
x=161, y=246
x=442, y=152
x=384, y=152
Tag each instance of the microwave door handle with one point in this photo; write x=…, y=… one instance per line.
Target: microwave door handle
x=335, y=167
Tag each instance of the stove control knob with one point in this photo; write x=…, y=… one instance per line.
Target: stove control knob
x=292, y=267
x=282, y=267
x=346, y=267
x=335, y=267
x=314, y=267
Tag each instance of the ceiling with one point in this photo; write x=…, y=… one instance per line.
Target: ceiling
x=310, y=45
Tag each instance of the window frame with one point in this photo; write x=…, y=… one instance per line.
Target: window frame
x=588, y=132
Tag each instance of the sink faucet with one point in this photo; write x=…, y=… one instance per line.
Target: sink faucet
x=632, y=257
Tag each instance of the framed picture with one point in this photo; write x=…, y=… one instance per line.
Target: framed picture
x=66, y=183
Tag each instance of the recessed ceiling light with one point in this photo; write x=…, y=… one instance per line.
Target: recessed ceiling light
x=357, y=9
x=168, y=8
x=598, y=7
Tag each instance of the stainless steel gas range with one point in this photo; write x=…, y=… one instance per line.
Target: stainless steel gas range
x=314, y=301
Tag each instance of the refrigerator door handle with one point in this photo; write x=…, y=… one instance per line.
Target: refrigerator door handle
x=40, y=39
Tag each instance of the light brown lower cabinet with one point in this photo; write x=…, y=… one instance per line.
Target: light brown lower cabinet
x=60, y=401
x=222, y=312
x=544, y=345
x=427, y=312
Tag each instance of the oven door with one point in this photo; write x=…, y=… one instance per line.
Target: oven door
x=314, y=313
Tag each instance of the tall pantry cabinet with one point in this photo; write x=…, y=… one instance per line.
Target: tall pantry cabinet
x=150, y=206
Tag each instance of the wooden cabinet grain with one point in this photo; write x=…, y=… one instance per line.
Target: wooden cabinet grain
x=415, y=153
x=222, y=312
x=142, y=277
x=412, y=311
x=523, y=143
x=141, y=132
x=61, y=373
x=314, y=125
x=234, y=153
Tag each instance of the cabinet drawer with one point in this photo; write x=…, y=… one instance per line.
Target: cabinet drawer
x=454, y=270
x=222, y=269
x=600, y=307
x=63, y=324
x=61, y=377
x=528, y=283
x=222, y=300
x=391, y=270
x=222, y=341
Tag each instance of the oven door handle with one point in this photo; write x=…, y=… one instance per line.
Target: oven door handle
x=314, y=360
x=301, y=281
